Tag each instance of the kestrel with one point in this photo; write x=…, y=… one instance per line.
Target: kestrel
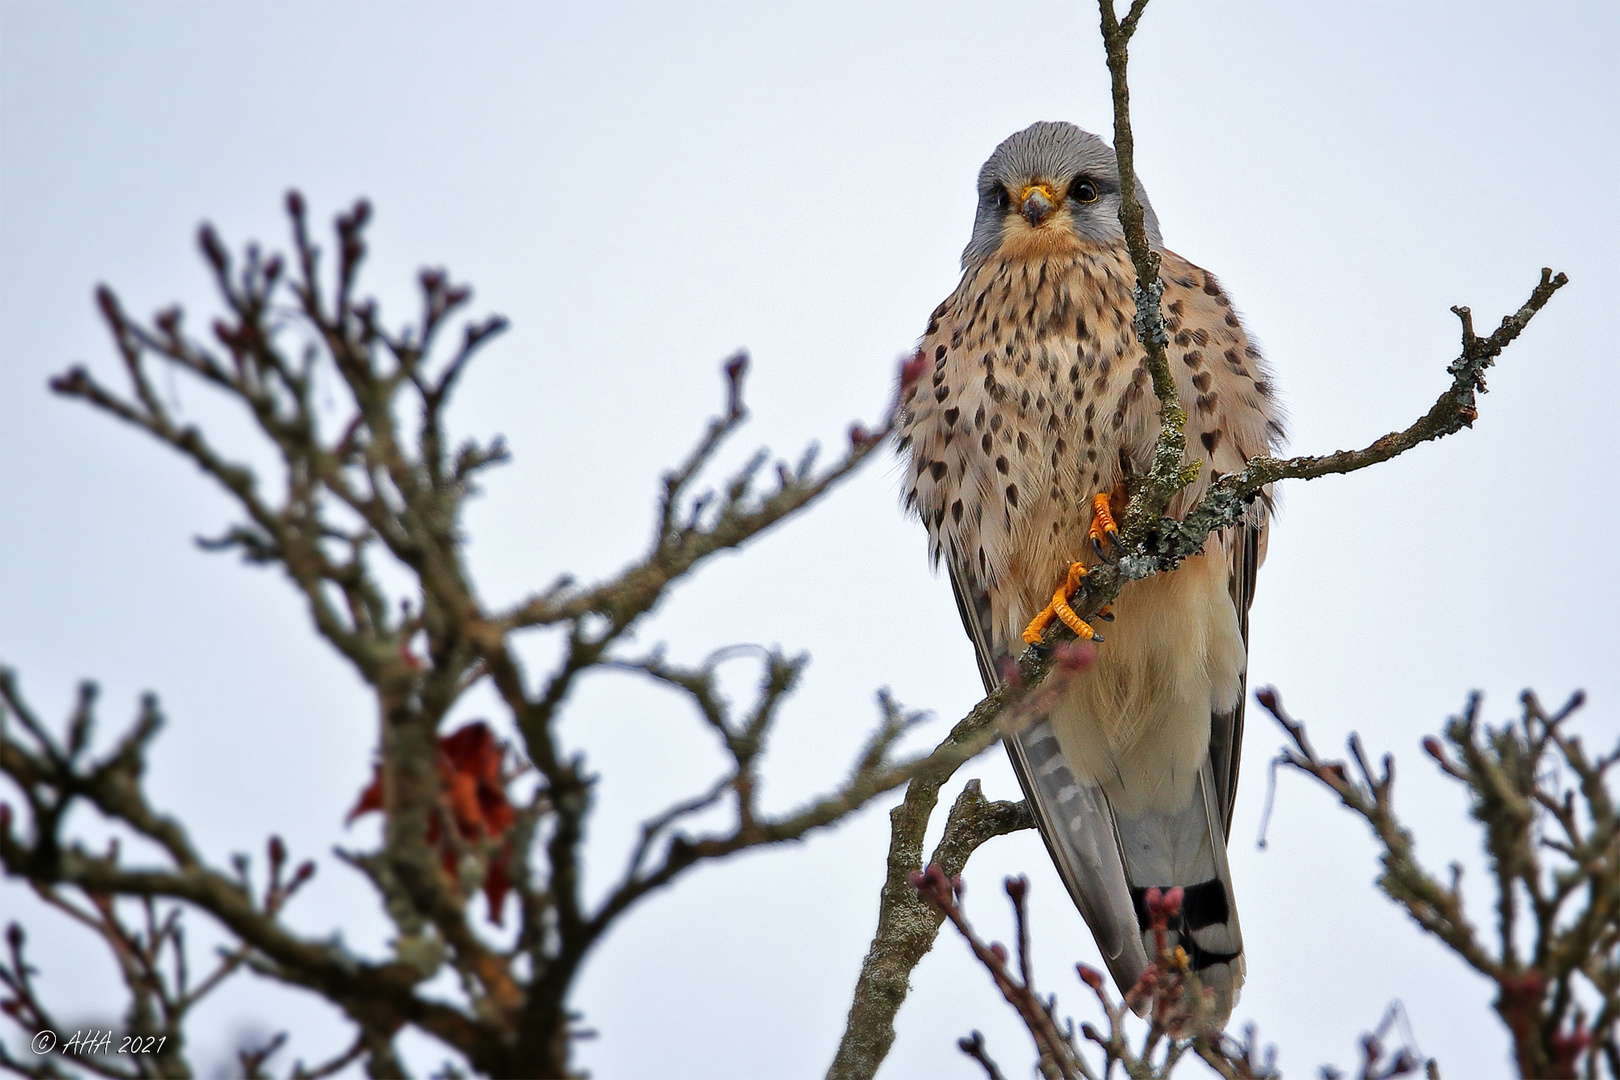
x=1039, y=410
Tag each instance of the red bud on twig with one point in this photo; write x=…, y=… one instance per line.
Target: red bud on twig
x=735, y=369
x=911, y=370
x=1010, y=673
x=1075, y=657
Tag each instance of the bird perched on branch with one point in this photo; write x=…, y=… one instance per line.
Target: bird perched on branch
x=1021, y=451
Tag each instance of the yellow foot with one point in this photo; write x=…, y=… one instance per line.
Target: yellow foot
x=1102, y=523
x=1059, y=609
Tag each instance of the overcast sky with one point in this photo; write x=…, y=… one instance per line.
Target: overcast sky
x=643, y=190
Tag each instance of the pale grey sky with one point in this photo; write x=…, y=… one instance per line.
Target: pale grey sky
x=643, y=189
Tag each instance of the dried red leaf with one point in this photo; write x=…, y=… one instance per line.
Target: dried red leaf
x=371, y=798
x=469, y=769
x=497, y=884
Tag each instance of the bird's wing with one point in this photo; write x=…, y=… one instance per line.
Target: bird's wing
x=1074, y=818
x=1087, y=839
x=1226, y=729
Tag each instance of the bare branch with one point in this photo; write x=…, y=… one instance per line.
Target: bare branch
x=1511, y=786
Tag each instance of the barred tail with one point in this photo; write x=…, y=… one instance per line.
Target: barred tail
x=1109, y=862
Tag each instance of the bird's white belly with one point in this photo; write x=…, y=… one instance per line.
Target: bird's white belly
x=1137, y=723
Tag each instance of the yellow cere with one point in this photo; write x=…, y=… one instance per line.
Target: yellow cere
x=1044, y=189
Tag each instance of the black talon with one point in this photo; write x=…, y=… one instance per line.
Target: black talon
x=1098, y=638
x=1106, y=616
x=1096, y=545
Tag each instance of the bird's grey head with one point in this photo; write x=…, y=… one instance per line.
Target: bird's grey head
x=1051, y=175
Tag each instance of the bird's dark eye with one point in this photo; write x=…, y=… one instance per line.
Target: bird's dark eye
x=1003, y=200
x=1082, y=190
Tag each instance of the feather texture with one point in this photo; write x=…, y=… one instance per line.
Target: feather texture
x=1040, y=399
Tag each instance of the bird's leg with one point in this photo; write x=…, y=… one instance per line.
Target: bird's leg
x=1102, y=522
x=1102, y=527
x=1059, y=609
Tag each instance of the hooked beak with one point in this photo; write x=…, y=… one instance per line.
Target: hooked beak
x=1036, y=203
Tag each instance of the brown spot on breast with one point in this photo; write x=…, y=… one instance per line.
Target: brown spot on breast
x=941, y=393
x=936, y=469
x=951, y=415
x=956, y=511
x=1202, y=381
x=1201, y=336
x=1192, y=359
x=995, y=423
x=1206, y=403
x=1231, y=319
x=1185, y=338
x=1210, y=439
x=1001, y=465
x=1023, y=443
x=1012, y=495
x=1210, y=285
x=985, y=442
